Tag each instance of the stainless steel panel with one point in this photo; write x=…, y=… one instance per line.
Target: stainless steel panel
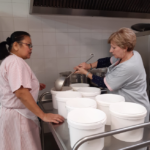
x=142, y=47
x=86, y=12
x=108, y=8
x=31, y=6
x=142, y=33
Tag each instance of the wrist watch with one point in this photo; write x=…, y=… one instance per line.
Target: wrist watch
x=87, y=74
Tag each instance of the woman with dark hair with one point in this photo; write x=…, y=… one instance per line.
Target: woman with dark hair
x=19, y=87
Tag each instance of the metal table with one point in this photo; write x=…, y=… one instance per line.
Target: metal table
x=61, y=135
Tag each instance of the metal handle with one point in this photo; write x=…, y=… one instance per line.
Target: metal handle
x=71, y=74
x=92, y=55
x=40, y=100
x=45, y=93
x=104, y=134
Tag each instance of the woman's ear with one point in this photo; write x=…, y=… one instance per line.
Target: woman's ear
x=15, y=46
x=126, y=49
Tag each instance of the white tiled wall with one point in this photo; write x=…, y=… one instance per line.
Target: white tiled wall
x=60, y=42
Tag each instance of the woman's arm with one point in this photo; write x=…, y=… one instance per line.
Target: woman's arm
x=88, y=66
x=103, y=62
x=97, y=80
x=26, y=98
x=100, y=63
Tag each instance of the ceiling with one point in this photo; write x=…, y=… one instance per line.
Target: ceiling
x=110, y=8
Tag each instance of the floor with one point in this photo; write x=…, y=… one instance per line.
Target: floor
x=49, y=142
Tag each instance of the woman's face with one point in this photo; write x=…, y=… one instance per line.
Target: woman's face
x=24, y=51
x=117, y=51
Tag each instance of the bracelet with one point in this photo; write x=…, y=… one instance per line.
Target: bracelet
x=87, y=74
x=91, y=66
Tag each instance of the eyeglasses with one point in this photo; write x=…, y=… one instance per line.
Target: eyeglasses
x=29, y=45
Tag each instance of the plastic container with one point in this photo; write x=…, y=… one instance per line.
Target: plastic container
x=80, y=103
x=89, y=92
x=54, y=92
x=62, y=98
x=127, y=114
x=82, y=123
x=76, y=86
x=103, y=102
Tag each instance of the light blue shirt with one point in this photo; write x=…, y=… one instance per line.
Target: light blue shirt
x=129, y=80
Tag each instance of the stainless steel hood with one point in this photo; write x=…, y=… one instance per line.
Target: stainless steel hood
x=106, y=8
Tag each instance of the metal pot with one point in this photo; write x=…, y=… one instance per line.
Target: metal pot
x=74, y=78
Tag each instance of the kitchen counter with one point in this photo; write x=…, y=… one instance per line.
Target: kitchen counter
x=61, y=135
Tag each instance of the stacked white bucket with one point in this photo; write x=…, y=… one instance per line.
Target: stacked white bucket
x=80, y=119
x=122, y=114
x=127, y=114
x=54, y=92
x=84, y=119
x=76, y=86
x=82, y=123
x=79, y=103
x=105, y=100
x=89, y=92
x=61, y=99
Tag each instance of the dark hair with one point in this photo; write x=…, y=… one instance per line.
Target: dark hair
x=17, y=36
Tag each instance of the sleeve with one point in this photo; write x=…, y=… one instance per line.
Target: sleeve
x=118, y=78
x=99, y=81
x=103, y=62
x=18, y=75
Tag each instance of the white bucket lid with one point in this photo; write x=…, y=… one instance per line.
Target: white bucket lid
x=76, y=86
x=64, y=88
x=128, y=110
x=89, y=91
x=67, y=95
x=86, y=118
x=107, y=99
x=80, y=103
x=79, y=85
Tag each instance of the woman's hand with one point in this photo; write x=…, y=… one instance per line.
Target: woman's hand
x=85, y=66
x=55, y=118
x=80, y=70
x=83, y=71
x=42, y=86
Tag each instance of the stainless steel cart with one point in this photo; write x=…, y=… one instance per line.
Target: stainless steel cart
x=61, y=134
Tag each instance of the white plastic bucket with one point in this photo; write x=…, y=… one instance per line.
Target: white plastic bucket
x=89, y=92
x=103, y=102
x=62, y=98
x=76, y=86
x=84, y=122
x=124, y=115
x=54, y=92
x=80, y=103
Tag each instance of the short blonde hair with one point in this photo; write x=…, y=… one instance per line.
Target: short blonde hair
x=124, y=38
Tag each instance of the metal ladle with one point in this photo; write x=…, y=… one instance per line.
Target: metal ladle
x=61, y=80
